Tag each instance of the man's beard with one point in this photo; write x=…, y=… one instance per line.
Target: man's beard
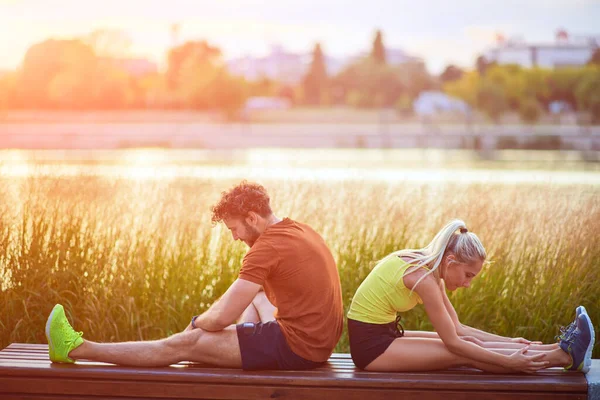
x=252, y=233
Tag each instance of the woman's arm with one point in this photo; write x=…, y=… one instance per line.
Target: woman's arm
x=429, y=291
x=465, y=330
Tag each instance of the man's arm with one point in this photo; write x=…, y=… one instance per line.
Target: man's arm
x=229, y=307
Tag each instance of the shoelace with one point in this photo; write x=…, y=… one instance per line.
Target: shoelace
x=70, y=342
x=566, y=332
x=571, y=336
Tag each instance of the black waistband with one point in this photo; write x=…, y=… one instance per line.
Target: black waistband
x=398, y=328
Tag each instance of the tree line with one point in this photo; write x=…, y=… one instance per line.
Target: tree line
x=74, y=75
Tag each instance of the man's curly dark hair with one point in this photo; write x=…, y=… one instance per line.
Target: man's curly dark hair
x=240, y=200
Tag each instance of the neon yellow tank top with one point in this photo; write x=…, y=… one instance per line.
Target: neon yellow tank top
x=382, y=294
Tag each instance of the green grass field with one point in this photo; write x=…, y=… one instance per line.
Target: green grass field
x=135, y=259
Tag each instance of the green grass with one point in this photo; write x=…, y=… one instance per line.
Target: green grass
x=133, y=260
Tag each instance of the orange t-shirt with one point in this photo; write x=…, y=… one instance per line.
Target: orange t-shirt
x=300, y=278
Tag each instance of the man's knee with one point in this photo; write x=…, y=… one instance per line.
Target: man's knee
x=185, y=340
x=261, y=300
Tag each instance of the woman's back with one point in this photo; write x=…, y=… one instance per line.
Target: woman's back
x=382, y=294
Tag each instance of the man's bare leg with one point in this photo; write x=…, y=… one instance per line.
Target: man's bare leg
x=260, y=310
x=264, y=308
x=215, y=348
x=250, y=314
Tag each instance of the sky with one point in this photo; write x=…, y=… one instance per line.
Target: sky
x=439, y=31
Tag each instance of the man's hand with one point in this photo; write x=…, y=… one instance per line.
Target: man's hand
x=229, y=307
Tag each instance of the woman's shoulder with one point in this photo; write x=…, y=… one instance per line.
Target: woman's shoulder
x=414, y=273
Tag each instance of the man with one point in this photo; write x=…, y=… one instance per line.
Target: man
x=293, y=324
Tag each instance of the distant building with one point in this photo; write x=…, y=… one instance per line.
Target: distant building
x=566, y=51
x=291, y=67
x=392, y=57
x=399, y=56
x=278, y=65
x=432, y=102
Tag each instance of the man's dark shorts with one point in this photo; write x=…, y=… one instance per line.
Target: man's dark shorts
x=263, y=346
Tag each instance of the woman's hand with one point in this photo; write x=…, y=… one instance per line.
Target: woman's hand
x=523, y=341
x=529, y=364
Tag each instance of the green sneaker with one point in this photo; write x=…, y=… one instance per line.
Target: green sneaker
x=62, y=338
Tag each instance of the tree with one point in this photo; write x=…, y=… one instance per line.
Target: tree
x=315, y=82
x=415, y=78
x=492, y=100
x=530, y=110
x=511, y=79
x=482, y=65
x=451, y=73
x=367, y=83
x=465, y=88
x=58, y=73
x=113, y=89
x=197, y=76
x=587, y=93
x=595, y=58
x=537, y=84
x=7, y=90
x=199, y=56
x=562, y=83
x=378, y=51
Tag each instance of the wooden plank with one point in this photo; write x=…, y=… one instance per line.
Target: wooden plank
x=531, y=383
x=333, y=363
x=46, y=362
x=26, y=361
x=154, y=390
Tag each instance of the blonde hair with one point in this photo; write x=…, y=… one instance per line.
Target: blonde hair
x=453, y=238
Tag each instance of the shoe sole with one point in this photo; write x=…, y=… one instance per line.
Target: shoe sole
x=48, y=323
x=587, y=360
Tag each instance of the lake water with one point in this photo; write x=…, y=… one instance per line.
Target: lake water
x=306, y=165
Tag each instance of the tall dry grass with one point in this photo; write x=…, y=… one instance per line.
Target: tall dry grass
x=133, y=260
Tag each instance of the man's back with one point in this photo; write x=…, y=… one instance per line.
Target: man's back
x=300, y=278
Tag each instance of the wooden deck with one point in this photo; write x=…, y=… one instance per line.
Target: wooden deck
x=27, y=373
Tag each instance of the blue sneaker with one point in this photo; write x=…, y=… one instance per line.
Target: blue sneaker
x=568, y=331
x=579, y=344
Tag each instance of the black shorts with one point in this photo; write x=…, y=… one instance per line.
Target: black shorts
x=263, y=346
x=369, y=341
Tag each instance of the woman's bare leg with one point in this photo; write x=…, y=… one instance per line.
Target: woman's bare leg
x=556, y=357
x=413, y=353
x=488, y=345
x=516, y=346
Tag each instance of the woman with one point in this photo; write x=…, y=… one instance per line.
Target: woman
x=407, y=277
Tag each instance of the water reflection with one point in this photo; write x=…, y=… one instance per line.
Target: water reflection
x=304, y=165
